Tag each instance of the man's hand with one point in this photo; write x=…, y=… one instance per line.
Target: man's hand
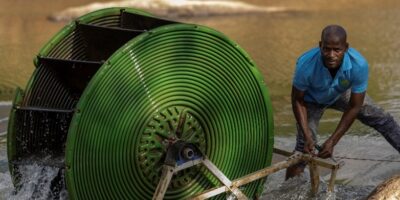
x=327, y=149
x=309, y=146
x=348, y=117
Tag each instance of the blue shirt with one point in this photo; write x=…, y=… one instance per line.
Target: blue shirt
x=320, y=87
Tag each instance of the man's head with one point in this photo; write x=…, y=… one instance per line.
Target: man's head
x=333, y=45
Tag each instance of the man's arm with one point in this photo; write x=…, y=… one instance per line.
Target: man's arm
x=300, y=113
x=348, y=117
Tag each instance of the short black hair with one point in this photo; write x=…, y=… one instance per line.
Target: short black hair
x=334, y=30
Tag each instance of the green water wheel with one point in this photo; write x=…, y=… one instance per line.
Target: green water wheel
x=107, y=94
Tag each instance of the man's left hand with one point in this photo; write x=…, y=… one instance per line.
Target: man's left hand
x=327, y=149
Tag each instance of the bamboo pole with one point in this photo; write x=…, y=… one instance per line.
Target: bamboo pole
x=314, y=177
x=294, y=158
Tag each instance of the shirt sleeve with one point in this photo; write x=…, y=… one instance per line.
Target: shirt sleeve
x=299, y=79
x=360, y=81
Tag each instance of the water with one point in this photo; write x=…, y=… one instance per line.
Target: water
x=355, y=180
x=298, y=188
x=359, y=172
x=37, y=182
x=274, y=41
x=24, y=29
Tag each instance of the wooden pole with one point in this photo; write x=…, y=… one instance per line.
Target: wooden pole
x=293, y=159
x=331, y=185
x=167, y=173
x=251, y=177
x=314, y=177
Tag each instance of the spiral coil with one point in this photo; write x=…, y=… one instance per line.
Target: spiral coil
x=126, y=101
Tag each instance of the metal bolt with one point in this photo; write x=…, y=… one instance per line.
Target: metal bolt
x=188, y=153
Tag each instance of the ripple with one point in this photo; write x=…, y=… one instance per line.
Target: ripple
x=171, y=8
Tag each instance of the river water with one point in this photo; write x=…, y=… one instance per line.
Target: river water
x=274, y=41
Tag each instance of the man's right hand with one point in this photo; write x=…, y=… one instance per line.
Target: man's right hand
x=300, y=112
x=309, y=146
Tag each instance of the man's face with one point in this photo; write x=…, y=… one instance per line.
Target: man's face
x=332, y=50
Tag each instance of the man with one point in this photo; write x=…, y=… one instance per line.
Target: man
x=334, y=76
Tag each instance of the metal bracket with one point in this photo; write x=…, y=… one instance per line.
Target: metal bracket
x=180, y=156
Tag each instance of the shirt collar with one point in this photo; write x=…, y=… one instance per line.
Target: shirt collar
x=346, y=64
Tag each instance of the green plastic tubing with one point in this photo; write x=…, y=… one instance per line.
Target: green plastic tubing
x=121, y=125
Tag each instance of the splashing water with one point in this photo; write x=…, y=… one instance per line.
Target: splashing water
x=36, y=181
x=5, y=185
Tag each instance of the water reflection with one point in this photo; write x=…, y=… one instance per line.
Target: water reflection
x=24, y=29
x=273, y=40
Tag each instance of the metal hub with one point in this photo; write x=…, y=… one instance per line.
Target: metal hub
x=163, y=129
